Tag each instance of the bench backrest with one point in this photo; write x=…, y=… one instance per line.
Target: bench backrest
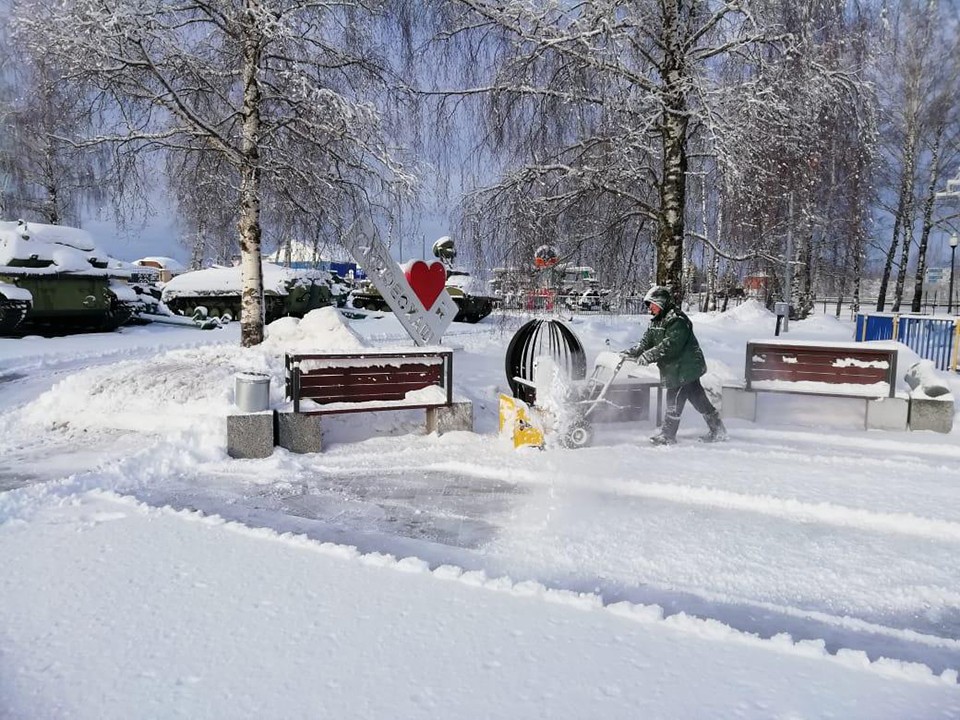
x=382, y=379
x=834, y=365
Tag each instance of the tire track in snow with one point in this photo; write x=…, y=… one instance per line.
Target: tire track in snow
x=788, y=509
x=797, y=510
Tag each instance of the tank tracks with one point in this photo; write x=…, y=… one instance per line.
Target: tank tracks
x=12, y=313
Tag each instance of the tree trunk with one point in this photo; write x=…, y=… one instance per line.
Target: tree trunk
x=199, y=250
x=927, y=219
x=251, y=302
x=674, y=123
x=904, y=204
x=904, y=257
x=859, y=238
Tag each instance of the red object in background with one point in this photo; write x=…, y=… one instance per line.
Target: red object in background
x=541, y=299
x=427, y=281
x=545, y=256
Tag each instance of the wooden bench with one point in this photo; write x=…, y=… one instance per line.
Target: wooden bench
x=369, y=381
x=846, y=375
x=835, y=369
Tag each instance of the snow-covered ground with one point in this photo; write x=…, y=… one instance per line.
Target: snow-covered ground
x=794, y=571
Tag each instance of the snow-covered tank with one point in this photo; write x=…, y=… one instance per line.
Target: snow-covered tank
x=53, y=279
x=471, y=308
x=215, y=292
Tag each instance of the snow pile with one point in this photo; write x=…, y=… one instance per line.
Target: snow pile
x=750, y=312
x=321, y=330
x=926, y=382
x=176, y=391
x=12, y=292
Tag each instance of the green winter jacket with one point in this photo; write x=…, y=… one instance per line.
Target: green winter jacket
x=670, y=343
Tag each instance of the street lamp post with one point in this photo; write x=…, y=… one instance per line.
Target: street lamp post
x=953, y=251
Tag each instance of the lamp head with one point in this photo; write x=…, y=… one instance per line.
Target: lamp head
x=954, y=240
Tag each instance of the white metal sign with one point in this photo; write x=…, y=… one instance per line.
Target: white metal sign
x=425, y=326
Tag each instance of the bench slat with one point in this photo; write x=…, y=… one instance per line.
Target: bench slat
x=361, y=393
x=421, y=373
x=849, y=375
x=820, y=360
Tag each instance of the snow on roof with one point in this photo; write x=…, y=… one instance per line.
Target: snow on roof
x=299, y=252
x=166, y=263
x=228, y=281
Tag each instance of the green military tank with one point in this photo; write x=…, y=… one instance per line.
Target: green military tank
x=215, y=292
x=54, y=280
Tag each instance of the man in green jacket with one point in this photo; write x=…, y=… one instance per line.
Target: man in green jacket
x=670, y=343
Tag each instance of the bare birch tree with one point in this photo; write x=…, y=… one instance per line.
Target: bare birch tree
x=280, y=90
x=46, y=177
x=595, y=105
x=917, y=73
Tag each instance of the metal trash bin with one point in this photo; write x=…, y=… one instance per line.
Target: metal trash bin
x=252, y=392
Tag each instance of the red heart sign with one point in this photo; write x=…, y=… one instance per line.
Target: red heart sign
x=427, y=281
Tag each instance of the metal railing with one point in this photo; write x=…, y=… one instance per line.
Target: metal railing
x=935, y=339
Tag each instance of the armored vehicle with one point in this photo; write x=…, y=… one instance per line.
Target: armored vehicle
x=215, y=292
x=54, y=280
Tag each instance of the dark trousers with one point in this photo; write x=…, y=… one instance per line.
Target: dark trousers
x=677, y=398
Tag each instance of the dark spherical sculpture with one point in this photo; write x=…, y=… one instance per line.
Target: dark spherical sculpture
x=543, y=337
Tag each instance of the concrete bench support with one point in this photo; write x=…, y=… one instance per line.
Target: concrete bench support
x=250, y=435
x=889, y=413
x=456, y=416
x=932, y=413
x=299, y=433
x=738, y=403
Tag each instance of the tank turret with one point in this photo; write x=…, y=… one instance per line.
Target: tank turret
x=470, y=308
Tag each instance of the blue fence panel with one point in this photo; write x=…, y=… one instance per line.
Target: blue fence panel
x=874, y=327
x=930, y=338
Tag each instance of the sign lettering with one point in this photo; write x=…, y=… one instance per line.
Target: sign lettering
x=424, y=326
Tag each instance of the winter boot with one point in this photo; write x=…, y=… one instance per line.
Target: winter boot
x=668, y=432
x=717, y=432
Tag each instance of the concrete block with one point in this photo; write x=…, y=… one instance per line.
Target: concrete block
x=932, y=413
x=250, y=435
x=738, y=403
x=299, y=433
x=458, y=416
x=890, y=413
x=824, y=412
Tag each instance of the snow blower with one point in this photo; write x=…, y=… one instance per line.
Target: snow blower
x=562, y=408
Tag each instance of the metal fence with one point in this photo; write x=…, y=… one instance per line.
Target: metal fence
x=546, y=302
x=936, y=339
